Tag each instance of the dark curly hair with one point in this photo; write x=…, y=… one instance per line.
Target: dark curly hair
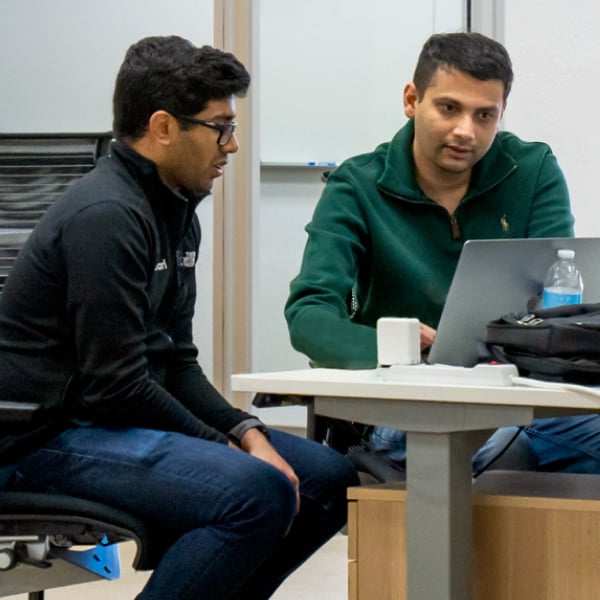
x=472, y=53
x=170, y=73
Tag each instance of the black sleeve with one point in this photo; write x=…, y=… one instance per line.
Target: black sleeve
x=185, y=378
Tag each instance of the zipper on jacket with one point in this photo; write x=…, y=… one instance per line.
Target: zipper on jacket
x=456, y=233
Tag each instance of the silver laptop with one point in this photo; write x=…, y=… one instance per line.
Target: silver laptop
x=494, y=277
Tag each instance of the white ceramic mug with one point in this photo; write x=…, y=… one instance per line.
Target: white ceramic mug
x=398, y=341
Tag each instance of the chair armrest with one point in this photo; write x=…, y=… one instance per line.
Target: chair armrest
x=18, y=412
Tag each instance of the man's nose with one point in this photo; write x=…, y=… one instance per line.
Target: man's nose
x=464, y=127
x=232, y=145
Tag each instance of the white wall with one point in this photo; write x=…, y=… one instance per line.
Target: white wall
x=60, y=57
x=59, y=62
x=555, y=48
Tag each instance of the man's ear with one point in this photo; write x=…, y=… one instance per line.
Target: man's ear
x=411, y=97
x=162, y=126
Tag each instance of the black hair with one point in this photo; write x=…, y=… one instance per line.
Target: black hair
x=472, y=53
x=170, y=73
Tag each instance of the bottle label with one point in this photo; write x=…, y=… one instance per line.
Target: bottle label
x=556, y=297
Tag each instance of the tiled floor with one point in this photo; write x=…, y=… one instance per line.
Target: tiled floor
x=323, y=577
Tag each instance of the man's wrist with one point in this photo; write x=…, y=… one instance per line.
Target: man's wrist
x=237, y=432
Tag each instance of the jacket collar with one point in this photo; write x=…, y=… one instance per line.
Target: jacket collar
x=142, y=169
x=399, y=175
x=175, y=208
x=146, y=173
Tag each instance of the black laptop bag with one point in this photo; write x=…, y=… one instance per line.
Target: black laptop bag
x=556, y=344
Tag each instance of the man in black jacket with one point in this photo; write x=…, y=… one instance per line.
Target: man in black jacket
x=96, y=324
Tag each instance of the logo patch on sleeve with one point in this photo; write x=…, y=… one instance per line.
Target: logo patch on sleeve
x=186, y=259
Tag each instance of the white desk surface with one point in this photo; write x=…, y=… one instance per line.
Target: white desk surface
x=370, y=384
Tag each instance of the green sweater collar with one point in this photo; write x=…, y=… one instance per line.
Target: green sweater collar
x=398, y=177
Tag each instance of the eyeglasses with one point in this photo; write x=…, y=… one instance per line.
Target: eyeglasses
x=226, y=130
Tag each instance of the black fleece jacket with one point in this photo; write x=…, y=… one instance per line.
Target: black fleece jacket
x=96, y=314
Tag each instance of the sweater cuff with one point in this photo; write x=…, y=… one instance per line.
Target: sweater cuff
x=237, y=432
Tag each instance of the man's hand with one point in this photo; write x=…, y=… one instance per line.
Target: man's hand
x=256, y=444
x=427, y=335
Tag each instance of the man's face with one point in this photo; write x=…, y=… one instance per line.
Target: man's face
x=195, y=159
x=455, y=122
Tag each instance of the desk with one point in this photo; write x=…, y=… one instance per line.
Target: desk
x=445, y=425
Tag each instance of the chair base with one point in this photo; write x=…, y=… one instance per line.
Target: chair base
x=68, y=567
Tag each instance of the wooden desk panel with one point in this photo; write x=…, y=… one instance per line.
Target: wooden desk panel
x=524, y=547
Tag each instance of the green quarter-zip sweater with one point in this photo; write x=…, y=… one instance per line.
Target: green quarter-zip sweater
x=377, y=246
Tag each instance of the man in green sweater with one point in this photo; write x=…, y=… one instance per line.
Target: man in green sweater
x=388, y=230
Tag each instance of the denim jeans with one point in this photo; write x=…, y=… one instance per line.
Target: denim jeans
x=228, y=519
x=560, y=444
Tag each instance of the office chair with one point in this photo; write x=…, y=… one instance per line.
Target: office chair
x=53, y=540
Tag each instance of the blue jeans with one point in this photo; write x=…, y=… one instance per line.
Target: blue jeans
x=566, y=444
x=228, y=518
x=561, y=444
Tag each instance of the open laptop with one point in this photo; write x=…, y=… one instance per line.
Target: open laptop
x=494, y=277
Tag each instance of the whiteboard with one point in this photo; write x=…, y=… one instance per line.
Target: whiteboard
x=332, y=72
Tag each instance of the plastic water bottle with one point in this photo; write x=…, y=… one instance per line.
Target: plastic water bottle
x=563, y=283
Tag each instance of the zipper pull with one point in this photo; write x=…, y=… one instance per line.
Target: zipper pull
x=456, y=233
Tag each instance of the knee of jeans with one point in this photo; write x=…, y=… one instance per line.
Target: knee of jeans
x=508, y=448
x=390, y=442
x=269, y=499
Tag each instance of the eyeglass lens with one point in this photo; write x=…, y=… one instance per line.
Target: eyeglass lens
x=226, y=133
